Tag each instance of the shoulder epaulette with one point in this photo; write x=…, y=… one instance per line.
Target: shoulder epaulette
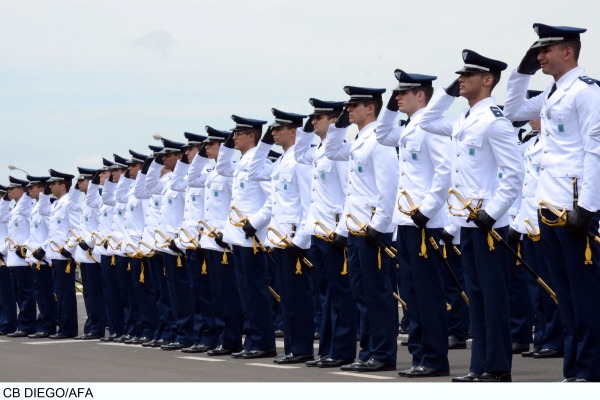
x=496, y=111
x=587, y=79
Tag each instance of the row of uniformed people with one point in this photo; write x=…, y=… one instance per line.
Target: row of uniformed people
x=271, y=205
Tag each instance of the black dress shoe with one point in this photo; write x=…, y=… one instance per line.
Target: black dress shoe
x=518, y=348
x=368, y=366
x=239, y=354
x=131, y=340
x=149, y=343
x=294, y=358
x=470, y=377
x=160, y=342
x=494, y=377
x=332, y=363
x=456, y=344
x=317, y=336
x=259, y=354
x=426, y=372
x=529, y=353
x=59, y=336
x=140, y=340
x=191, y=349
x=571, y=379
x=548, y=353
x=173, y=346
x=38, y=335
x=90, y=336
x=109, y=338
x=313, y=363
x=2, y=333
x=403, y=331
x=17, y=334
x=80, y=337
x=406, y=371
x=123, y=339
x=279, y=333
x=221, y=351
x=203, y=348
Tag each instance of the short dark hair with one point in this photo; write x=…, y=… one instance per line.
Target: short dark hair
x=67, y=183
x=257, y=134
x=378, y=103
x=574, y=44
x=496, y=78
x=427, y=91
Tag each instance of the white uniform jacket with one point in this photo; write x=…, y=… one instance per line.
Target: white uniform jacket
x=38, y=225
x=481, y=144
x=94, y=199
x=528, y=207
x=249, y=196
x=424, y=166
x=194, y=202
x=372, y=182
x=570, y=136
x=328, y=187
x=152, y=217
x=172, y=204
x=18, y=228
x=217, y=198
x=60, y=223
x=290, y=194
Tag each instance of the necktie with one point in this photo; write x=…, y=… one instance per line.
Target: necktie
x=552, y=90
x=467, y=114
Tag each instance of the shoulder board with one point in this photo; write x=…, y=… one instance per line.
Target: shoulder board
x=587, y=79
x=496, y=111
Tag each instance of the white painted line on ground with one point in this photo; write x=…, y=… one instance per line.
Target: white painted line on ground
x=2, y=341
x=361, y=375
x=202, y=359
x=279, y=344
x=57, y=341
x=115, y=344
x=273, y=366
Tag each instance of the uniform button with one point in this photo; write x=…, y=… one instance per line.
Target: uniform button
x=542, y=167
x=522, y=197
x=545, y=151
x=456, y=170
x=403, y=174
x=404, y=160
x=525, y=184
x=456, y=185
x=457, y=155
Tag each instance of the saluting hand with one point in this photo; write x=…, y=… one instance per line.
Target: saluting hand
x=392, y=104
x=308, y=126
x=268, y=136
x=529, y=64
x=453, y=89
x=343, y=120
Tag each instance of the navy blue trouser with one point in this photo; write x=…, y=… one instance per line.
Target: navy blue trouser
x=425, y=299
x=371, y=283
x=8, y=315
x=91, y=278
x=205, y=326
x=252, y=281
x=486, y=278
x=43, y=292
x=548, y=325
x=144, y=297
x=576, y=285
x=162, y=302
x=338, y=316
x=458, y=316
x=131, y=314
x=178, y=284
x=229, y=316
x=64, y=287
x=22, y=277
x=295, y=287
x=521, y=309
x=112, y=298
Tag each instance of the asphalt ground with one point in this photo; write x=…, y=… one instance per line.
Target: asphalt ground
x=45, y=360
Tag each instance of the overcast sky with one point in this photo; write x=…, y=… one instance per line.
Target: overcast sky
x=80, y=80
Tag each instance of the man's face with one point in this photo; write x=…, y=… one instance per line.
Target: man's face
x=55, y=188
x=134, y=169
x=243, y=140
x=212, y=150
x=284, y=136
x=358, y=113
x=104, y=176
x=551, y=58
x=34, y=191
x=407, y=102
x=471, y=84
x=321, y=124
x=15, y=193
x=190, y=152
x=170, y=160
x=83, y=185
x=116, y=174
